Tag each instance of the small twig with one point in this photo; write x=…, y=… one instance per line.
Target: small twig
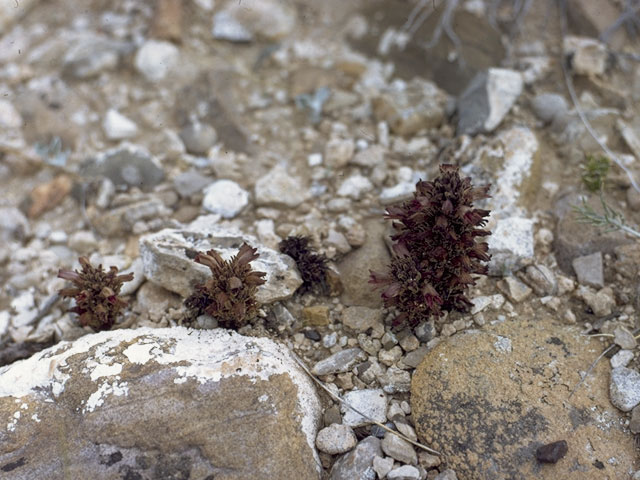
x=336, y=397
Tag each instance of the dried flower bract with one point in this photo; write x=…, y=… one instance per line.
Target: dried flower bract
x=229, y=295
x=96, y=294
x=435, y=248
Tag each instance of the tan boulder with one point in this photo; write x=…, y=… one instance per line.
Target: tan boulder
x=487, y=399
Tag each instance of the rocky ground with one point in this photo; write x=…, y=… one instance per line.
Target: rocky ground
x=136, y=133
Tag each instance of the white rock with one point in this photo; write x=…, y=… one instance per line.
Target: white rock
x=226, y=27
x=137, y=268
x=155, y=59
x=279, y=189
x=339, y=362
x=336, y=439
x=503, y=89
x=225, y=197
x=382, y=466
x=265, y=229
x=589, y=55
x=5, y=316
x=338, y=152
x=624, y=388
x=511, y=245
x=398, y=193
x=166, y=263
x=9, y=116
x=118, y=127
x=270, y=19
x=355, y=186
x=24, y=306
x=405, y=472
x=371, y=402
x=400, y=449
x=621, y=359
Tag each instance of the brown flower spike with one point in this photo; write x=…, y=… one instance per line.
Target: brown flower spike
x=229, y=295
x=96, y=294
x=435, y=248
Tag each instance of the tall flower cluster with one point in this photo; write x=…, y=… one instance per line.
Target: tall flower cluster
x=96, y=293
x=436, y=248
x=229, y=295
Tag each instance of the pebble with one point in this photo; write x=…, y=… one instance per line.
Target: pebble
x=589, y=56
x=127, y=165
x=90, y=55
x=446, y=475
x=400, y=449
x=155, y=59
x=339, y=362
x=354, y=187
x=338, y=152
x=382, y=466
x=118, y=127
x=225, y=197
x=624, y=388
x=191, y=182
x=428, y=461
x=9, y=116
x=409, y=343
x=590, y=270
x=395, y=380
x=425, y=331
x=624, y=338
x=198, y=137
x=316, y=315
x=413, y=358
x=361, y=319
x=542, y=279
x=600, y=302
x=268, y=19
x=511, y=244
x=405, y=472
x=279, y=189
x=330, y=340
x=621, y=359
x=391, y=356
x=398, y=193
x=634, y=424
x=336, y=439
x=516, y=290
x=552, y=452
x=371, y=402
x=549, y=106
x=13, y=224
x=225, y=27
x=358, y=463
x=83, y=241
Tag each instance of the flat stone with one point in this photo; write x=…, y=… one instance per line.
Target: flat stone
x=316, y=315
x=624, y=388
x=400, y=449
x=268, y=20
x=118, y=127
x=338, y=152
x=361, y=319
x=405, y=472
x=339, y=362
x=358, y=463
x=511, y=245
x=516, y=290
x=519, y=400
x=588, y=55
x=354, y=187
x=191, y=182
x=336, y=439
x=624, y=338
x=413, y=359
x=166, y=263
x=590, y=270
x=155, y=59
x=89, y=55
x=621, y=359
x=371, y=402
x=127, y=387
x=279, y=189
x=225, y=197
x=600, y=302
x=542, y=279
x=198, y=137
x=126, y=166
x=382, y=466
x=549, y=106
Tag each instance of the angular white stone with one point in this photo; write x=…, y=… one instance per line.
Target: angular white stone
x=371, y=402
x=155, y=59
x=355, y=186
x=510, y=245
x=503, y=89
x=118, y=127
x=624, y=388
x=279, y=189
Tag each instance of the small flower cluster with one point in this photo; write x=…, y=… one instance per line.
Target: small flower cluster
x=96, y=294
x=435, y=248
x=229, y=295
x=312, y=265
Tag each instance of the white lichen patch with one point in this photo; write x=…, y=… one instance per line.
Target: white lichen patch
x=11, y=426
x=35, y=418
x=102, y=370
x=502, y=344
x=139, y=352
x=97, y=398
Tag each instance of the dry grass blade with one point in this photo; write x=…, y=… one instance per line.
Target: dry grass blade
x=336, y=397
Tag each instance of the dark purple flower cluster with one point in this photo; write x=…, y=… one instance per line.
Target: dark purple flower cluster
x=436, y=250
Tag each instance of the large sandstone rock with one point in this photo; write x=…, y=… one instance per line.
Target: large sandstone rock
x=159, y=404
x=168, y=259
x=488, y=399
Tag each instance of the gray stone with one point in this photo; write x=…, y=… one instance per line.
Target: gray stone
x=413, y=359
x=126, y=166
x=225, y=197
x=630, y=135
x=9, y=116
x=400, y=449
x=361, y=319
x=279, y=189
x=191, y=182
x=542, y=279
x=155, y=59
x=369, y=157
x=338, y=152
x=398, y=193
x=488, y=98
x=395, y=380
x=624, y=388
x=358, y=463
x=336, y=439
x=514, y=288
x=371, y=402
x=405, y=472
x=166, y=263
x=198, y=137
x=115, y=221
x=448, y=474
x=118, y=127
x=126, y=387
x=549, y=106
x=339, y=362
x=600, y=302
x=634, y=424
x=90, y=54
x=624, y=338
x=410, y=107
x=621, y=359
x=226, y=27
x=10, y=13
x=354, y=187
x=382, y=466
x=268, y=19
x=13, y=224
x=590, y=270
x=510, y=245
